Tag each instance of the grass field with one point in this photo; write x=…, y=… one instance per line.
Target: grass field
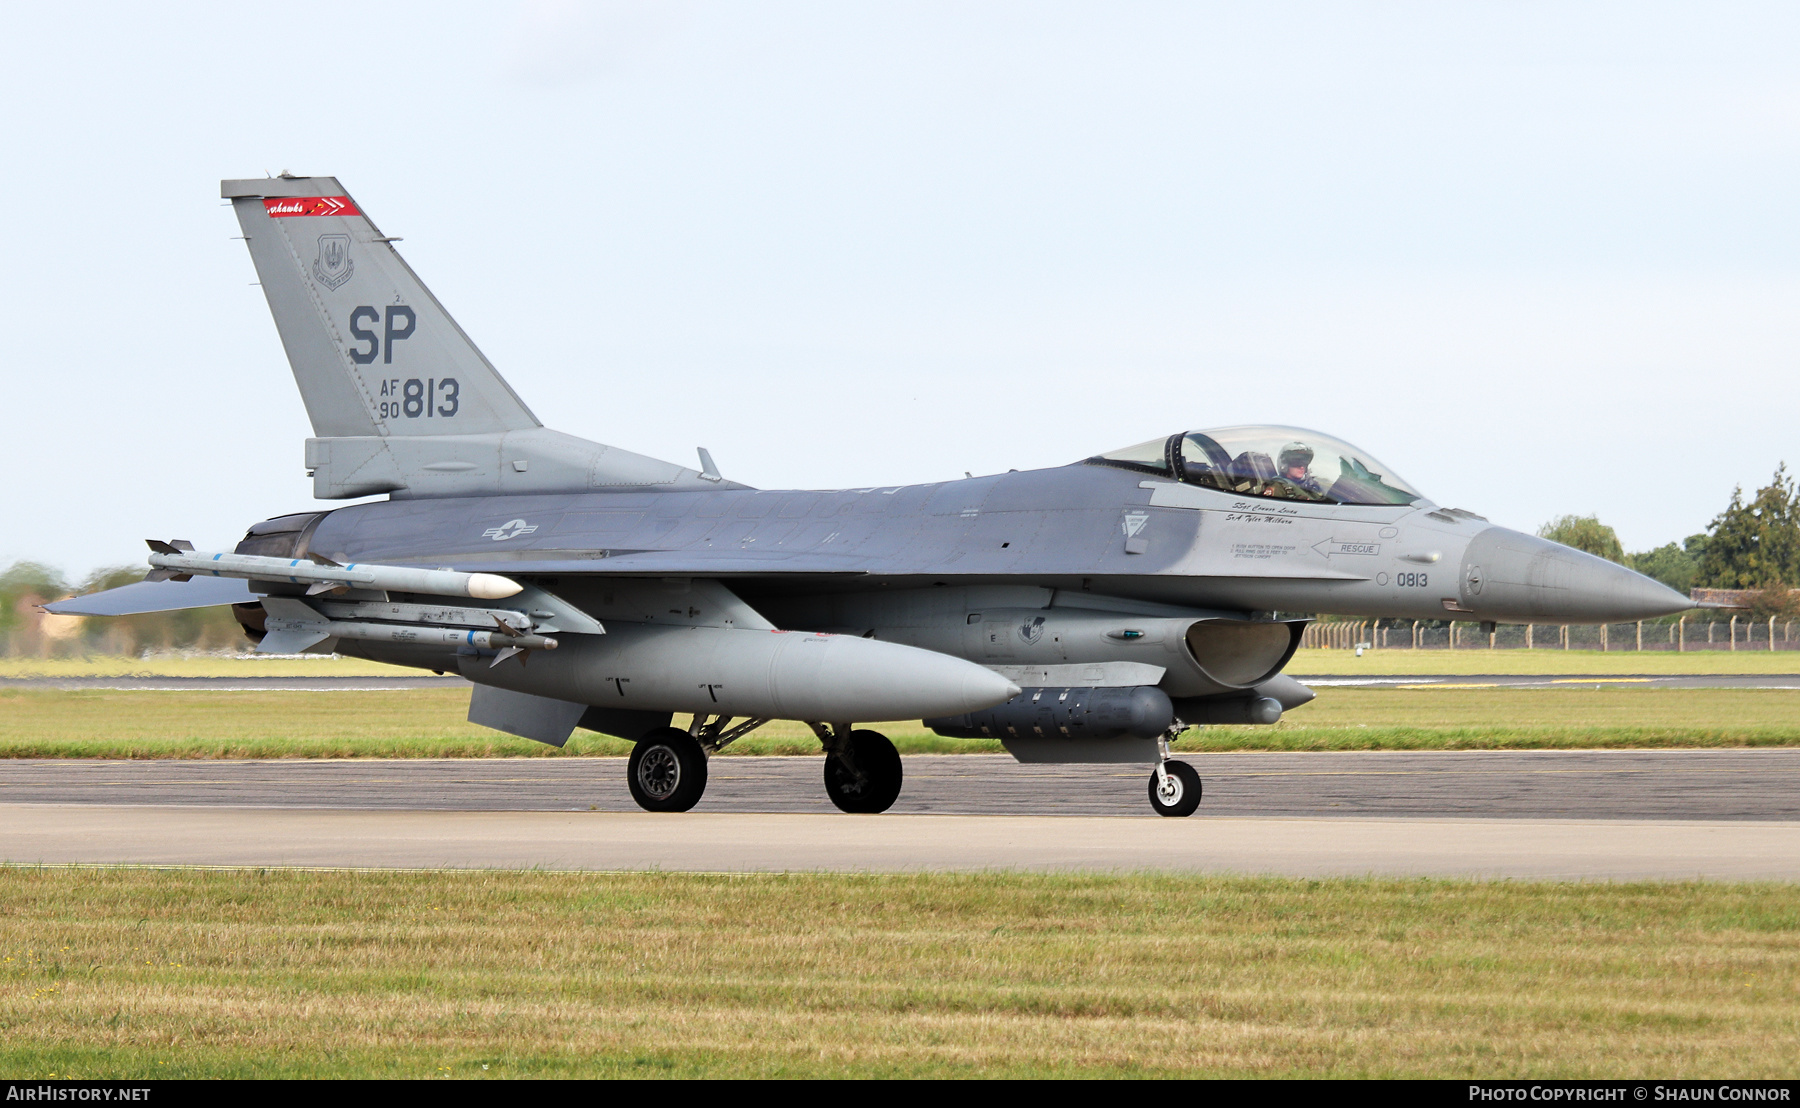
x=112, y=973
x=1424, y=662
x=47, y=723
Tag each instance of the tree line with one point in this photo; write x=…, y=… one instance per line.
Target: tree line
x=1753, y=544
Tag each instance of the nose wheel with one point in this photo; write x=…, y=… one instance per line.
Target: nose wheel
x=667, y=771
x=1175, y=786
x=1175, y=789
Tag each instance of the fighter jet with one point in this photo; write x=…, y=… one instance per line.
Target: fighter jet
x=1090, y=612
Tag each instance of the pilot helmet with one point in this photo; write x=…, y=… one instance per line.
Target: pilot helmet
x=1295, y=454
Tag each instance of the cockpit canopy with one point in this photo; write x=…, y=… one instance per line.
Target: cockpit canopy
x=1278, y=463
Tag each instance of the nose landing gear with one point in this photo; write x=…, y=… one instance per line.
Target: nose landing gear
x=1175, y=786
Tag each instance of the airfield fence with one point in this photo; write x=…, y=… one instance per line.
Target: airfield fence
x=1683, y=635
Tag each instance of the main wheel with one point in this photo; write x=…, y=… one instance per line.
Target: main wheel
x=667, y=771
x=874, y=784
x=1178, y=794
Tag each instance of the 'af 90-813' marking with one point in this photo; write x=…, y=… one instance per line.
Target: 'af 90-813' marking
x=412, y=398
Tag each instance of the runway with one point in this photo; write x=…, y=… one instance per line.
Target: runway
x=1645, y=785
x=1550, y=815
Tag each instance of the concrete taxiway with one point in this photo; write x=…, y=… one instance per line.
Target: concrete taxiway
x=1540, y=849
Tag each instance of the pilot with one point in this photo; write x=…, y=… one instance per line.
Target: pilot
x=1294, y=468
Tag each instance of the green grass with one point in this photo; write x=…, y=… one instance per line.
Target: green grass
x=1602, y=715
x=430, y=723
x=1516, y=662
x=411, y=723
x=122, y=973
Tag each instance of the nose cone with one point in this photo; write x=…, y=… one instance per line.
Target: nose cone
x=1520, y=578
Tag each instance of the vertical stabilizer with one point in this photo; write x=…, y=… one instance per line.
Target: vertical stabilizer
x=373, y=351
x=401, y=401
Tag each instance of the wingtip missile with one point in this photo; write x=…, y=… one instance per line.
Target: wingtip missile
x=170, y=558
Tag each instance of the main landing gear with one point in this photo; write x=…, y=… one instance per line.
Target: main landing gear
x=1175, y=786
x=862, y=768
x=667, y=770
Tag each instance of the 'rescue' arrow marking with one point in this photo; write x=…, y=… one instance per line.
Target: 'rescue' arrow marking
x=1327, y=547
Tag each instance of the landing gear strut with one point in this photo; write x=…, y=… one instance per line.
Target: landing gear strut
x=862, y=768
x=1175, y=786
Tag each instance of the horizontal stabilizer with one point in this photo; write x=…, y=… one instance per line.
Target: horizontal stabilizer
x=157, y=596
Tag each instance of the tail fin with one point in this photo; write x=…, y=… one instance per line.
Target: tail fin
x=373, y=351
x=400, y=400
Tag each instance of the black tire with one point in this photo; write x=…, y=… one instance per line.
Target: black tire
x=667, y=771
x=879, y=784
x=1183, y=794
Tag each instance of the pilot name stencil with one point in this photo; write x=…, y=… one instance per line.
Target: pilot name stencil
x=1263, y=509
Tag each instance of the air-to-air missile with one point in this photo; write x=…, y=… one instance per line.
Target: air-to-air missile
x=178, y=561
x=1089, y=612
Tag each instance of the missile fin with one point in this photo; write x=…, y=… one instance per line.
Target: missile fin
x=289, y=642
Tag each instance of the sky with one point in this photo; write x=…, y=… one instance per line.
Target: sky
x=1538, y=258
